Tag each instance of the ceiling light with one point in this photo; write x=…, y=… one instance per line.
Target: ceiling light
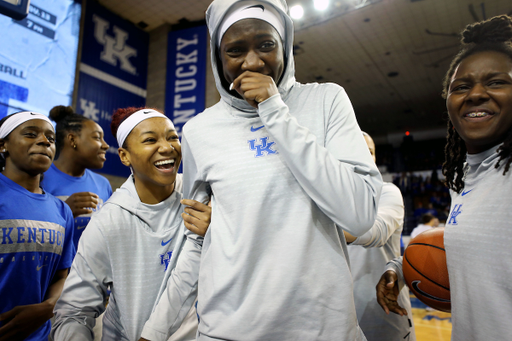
x=296, y=12
x=321, y=5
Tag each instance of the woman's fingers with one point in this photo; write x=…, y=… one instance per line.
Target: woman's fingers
x=194, y=225
x=197, y=216
x=255, y=87
x=387, y=293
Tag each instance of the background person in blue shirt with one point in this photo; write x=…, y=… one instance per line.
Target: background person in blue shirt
x=80, y=147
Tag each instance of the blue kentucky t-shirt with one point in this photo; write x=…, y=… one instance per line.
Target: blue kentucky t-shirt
x=36, y=240
x=63, y=186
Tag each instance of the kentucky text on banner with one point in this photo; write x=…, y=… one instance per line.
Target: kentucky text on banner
x=186, y=75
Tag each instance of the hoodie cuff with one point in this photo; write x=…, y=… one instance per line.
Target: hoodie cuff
x=270, y=105
x=395, y=265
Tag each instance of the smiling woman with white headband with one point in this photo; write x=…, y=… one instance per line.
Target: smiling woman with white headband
x=36, y=229
x=132, y=243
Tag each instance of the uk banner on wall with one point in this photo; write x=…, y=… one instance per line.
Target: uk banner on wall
x=186, y=75
x=113, y=73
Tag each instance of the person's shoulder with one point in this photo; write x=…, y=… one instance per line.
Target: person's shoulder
x=391, y=187
x=328, y=92
x=329, y=86
x=3, y=184
x=101, y=184
x=51, y=177
x=390, y=196
x=97, y=177
x=61, y=206
x=208, y=114
x=55, y=201
x=110, y=215
x=122, y=204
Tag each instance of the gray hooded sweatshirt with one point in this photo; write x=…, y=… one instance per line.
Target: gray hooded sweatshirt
x=130, y=247
x=285, y=177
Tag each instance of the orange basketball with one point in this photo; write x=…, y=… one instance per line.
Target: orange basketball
x=425, y=270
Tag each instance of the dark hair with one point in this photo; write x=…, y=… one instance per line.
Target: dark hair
x=67, y=121
x=494, y=34
x=427, y=218
x=119, y=116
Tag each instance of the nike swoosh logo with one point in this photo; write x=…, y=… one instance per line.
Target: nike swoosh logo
x=32, y=114
x=256, y=129
x=256, y=6
x=80, y=227
x=464, y=193
x=146, y=112
x=166, y=242
x=415, y=287
x=40, y=267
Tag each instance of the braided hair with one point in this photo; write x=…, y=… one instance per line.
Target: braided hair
x=67, y=121
x=494, y=34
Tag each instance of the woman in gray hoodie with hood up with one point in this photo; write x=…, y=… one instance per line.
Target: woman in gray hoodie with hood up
x=289, y=169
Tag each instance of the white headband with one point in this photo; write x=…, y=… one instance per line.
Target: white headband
x=126, y=127
x=18, y=119
x=252, y=10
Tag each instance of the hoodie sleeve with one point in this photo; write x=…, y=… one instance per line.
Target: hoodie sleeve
x=390, y=217
x=181, y=290
x=85, y=290
x=396, y=266
x=338, y=173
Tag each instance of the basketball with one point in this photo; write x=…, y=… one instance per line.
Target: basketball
x=425, y=270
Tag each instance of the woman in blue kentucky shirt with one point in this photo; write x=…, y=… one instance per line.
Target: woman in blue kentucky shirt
x=36, y=229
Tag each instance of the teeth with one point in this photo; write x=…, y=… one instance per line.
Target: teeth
x=477, y=114
x=165, y=162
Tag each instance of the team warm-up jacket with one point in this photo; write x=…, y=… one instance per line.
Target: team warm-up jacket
x=477, y=240
x=368, y=256
x=285, y=178
x=130, y=247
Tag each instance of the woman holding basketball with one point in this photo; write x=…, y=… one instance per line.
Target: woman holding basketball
x=36, y=229
x=132, y=243
x=478, y=92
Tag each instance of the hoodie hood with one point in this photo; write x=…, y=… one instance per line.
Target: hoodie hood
x=215, y=16
x=158, y=217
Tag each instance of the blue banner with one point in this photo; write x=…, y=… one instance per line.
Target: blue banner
x=113, y=73
x=38, y=57
x=115, y=46
x=186, y=75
